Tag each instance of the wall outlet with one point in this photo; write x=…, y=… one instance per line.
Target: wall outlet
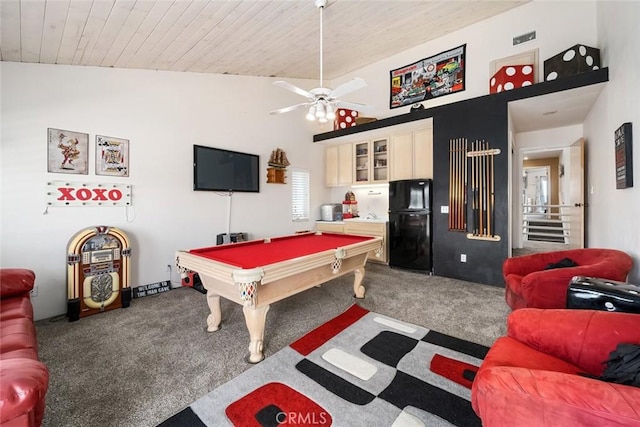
x=444, y=209
x=463, y=257
x=34, y=291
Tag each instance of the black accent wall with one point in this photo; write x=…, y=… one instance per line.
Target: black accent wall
x=483, y=118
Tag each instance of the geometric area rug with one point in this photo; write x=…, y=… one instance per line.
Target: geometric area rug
x=358, y=369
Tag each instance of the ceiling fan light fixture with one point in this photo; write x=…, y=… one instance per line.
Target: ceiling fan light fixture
x=331, y=113
x=311, y=114
x=322, y=101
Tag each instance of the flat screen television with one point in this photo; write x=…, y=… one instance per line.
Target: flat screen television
x=215, y=169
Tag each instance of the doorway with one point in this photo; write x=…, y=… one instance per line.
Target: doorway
x=543, y=209
x=551, y=123
x=536, y=191
x=542, y=225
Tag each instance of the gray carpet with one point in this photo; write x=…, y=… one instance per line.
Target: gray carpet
x=138, y=366
x=531, y=247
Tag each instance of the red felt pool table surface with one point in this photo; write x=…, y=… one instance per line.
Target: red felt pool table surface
x=258, y=253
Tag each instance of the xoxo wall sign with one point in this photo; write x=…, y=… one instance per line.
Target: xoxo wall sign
x=61, y=193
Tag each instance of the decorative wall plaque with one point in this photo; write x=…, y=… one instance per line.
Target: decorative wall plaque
x=68, y=151
x=624, y=156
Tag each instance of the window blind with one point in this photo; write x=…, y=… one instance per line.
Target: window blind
x=300, y=195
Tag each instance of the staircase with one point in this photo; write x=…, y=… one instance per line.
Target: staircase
x=545, y=227
x=544, y=230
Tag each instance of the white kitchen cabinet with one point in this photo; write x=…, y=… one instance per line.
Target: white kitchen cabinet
x=339, y=165
x=363, y=228
x=330, y=227
x=368, y=228
x=423, y=153
x=411, y=155
x=345, y=165
x=401, y=156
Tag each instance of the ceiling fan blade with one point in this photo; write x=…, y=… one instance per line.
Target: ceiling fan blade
x=348, y=87
x=292, y=88
x=289, y=108
x=362, y=108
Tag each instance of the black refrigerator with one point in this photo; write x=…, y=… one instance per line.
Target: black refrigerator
x=410, y=224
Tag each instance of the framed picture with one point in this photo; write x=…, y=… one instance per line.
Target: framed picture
x=624, y=156
x=438, y=75
x=112, y=156
x=68, y=151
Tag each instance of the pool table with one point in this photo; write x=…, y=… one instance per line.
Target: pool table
x=260, y=272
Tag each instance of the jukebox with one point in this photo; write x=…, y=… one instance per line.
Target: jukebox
x=98, y=263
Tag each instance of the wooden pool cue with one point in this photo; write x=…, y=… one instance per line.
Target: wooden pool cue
x=474, y=189
x=486, y=190
x=457, y=189
x=463, y=187
x=483, y=204
x=454, y=213
x=461, y=160
x=451, y=184
x=464, y=203
x=492, y=191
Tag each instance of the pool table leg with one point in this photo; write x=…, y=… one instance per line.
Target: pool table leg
x=213, y=320
x=255, y=319
x=358, y=289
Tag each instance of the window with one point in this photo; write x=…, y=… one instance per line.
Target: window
x=300, y=195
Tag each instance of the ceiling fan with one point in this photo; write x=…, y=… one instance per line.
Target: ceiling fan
x=322, y=101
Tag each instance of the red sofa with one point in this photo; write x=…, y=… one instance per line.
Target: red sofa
x=528, y=284
x=531, y=376
x=23, y=378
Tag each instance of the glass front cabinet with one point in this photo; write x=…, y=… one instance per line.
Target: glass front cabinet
x=371, y=161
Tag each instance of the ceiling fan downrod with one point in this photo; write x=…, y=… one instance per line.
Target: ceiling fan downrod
x=321, y=4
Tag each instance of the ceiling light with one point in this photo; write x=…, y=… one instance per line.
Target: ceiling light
x=320, y=110
x=311, y=115
x=331, y=114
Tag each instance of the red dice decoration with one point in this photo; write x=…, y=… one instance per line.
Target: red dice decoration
x=511, y=77
x=344, y=118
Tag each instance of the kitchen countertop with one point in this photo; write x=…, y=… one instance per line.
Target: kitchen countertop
x=373, y=220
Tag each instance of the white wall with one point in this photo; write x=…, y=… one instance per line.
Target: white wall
x=372, y=199
x=162, y=114
x=558, y=25
x=613, y=214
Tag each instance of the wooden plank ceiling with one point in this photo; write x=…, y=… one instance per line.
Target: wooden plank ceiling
x=245, y=37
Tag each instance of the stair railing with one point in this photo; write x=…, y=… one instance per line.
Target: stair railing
x=546, y=222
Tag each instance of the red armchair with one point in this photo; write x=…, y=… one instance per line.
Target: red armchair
x=528, y=284
x=23, y=378
x=531, y=377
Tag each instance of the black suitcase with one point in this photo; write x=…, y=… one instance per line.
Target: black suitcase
x=591, y=293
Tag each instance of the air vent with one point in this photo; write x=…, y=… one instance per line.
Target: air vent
x=524, y=38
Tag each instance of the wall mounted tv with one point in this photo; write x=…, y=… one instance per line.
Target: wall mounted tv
x=215, y=169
